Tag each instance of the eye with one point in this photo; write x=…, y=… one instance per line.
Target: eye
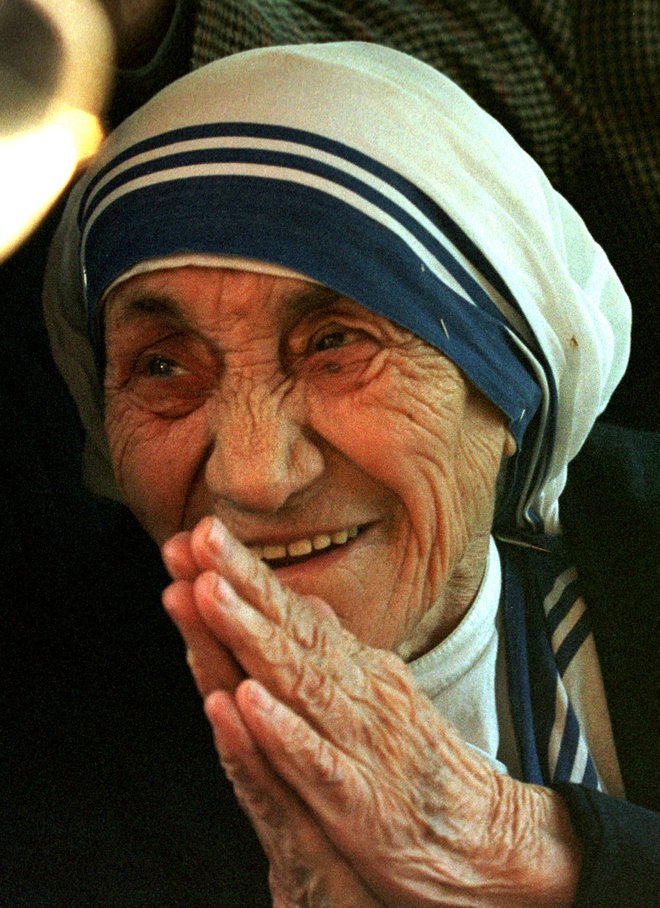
x=163, y=367
x=331, y=344
x=331, y=340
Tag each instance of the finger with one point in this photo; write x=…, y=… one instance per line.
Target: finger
x=307, y=621
x=211, y=664
x=306, y=869
x=186, y=557
x=178, y=557
x=326, y=779
x=215, y=548
x=305, y=664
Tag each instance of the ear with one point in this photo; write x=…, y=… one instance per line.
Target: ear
x=510, y=446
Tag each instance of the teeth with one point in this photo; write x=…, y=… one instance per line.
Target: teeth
x=301, y=547
x=322, y=541
x=271, y=552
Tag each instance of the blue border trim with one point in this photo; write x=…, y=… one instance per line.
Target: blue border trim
x=331, y=146
x=319, y=169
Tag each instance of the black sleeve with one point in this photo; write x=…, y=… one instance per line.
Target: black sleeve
x=621, y=842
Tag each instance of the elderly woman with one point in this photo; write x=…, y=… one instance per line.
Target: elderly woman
x=348, y=339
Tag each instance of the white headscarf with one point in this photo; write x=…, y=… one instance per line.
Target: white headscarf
x=368, y=171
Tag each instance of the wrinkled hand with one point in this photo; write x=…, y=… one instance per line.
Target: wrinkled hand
x=360, y=794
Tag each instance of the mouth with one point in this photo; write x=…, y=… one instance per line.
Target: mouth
x=280, y=555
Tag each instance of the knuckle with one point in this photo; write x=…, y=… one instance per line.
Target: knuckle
x=392, y=682
x=329, y=769
x=390, y=666
x=305, y=630
x=273, y=597
x=314, y=687
x=317, y=754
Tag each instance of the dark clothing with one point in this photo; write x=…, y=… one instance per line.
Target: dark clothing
x=611, y=515
x=621, y=850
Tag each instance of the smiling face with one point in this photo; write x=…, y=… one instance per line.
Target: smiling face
x=350, y=454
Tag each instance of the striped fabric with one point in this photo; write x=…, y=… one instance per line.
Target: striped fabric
x=568, y=626
x=551, y=660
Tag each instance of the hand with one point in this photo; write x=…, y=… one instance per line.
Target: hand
x=334, y=740
x=305, y=868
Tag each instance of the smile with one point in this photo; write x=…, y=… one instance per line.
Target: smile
x=281, y=554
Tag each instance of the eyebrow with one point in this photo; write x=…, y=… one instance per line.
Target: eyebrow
x=128, y=311
x=161, y=305
x=310, y=300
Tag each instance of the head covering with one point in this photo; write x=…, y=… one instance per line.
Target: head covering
x=369, y=172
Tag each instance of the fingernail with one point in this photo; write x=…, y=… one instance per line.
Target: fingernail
x=260, y=697
x=225, y=591
x=216, y=535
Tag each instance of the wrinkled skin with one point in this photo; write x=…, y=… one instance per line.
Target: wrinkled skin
x=286, y=411
x=361, y=795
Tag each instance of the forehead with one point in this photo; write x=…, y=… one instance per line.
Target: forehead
x=195, y=294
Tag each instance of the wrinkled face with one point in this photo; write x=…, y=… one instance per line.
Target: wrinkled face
x=351, y=455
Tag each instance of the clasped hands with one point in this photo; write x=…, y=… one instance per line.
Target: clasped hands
x=360, y=794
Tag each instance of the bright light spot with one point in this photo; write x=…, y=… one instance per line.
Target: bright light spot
x=35, y=167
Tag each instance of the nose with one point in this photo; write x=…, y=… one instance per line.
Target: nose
x=261, y=457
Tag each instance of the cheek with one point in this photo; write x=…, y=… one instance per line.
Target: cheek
x=403, y=429
x=417, y=432
x=156, y=462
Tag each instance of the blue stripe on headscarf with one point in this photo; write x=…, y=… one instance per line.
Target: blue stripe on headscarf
x=321, y=143
x=318, y=169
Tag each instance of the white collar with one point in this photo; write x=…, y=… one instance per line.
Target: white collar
x=458, y=675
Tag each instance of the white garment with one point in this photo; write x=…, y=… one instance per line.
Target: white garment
x=458, y=675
